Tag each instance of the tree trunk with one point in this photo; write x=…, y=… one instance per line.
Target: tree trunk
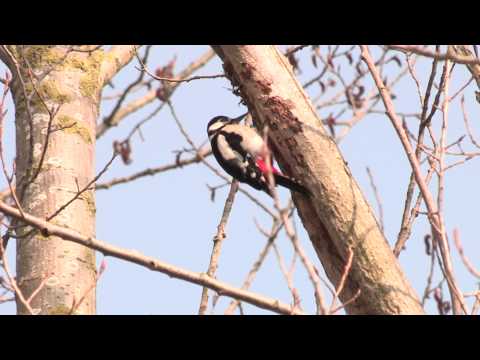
x=337, y=217
x=56, y=78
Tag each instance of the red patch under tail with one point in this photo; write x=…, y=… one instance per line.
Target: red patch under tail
x=264, y=168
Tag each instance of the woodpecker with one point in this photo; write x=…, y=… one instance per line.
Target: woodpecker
x=240, y=151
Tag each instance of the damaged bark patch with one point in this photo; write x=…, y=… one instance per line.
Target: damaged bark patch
x=281, y=108
x=247, y=72
x=298, y=156
x=264, y=86
x=272, y=124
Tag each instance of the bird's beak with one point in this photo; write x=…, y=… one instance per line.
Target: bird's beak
x=238, y=119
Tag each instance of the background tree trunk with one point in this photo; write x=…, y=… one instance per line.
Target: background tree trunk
x=337, y=218
x=55, y=77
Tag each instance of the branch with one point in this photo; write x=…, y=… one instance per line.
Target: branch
x=153, y=264
x=277, y=226
x=12, y=281
x=291, y=232
x=217, y=244
x=288, y=278
x=467, y=124
x=473, y=68
x=449, y=55
x=128, y=89
x=427, y=196
x=115, y=59
x=407, y=222
x=143, y=69
x=150, y=96
x=468, y=264
x=85, y=188
x=203, y=153
x=377, y=198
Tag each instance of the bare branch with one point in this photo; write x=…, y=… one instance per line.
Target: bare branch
x=217, y=244
x=468, y=264
x=160, y=78
x=435, y=221
x=407, y=221
x=115, y=59
x=153, y=264
x=288, y=278
x=85, y=188
x=341, y=284
x=203, y=153
x=149, y=97
x=449, y=55
x=128, y=89
x=276, y=227
x=377, y=198
x=467, y=124
x=13, y=283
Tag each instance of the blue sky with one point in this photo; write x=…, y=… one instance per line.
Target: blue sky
x=170, y=216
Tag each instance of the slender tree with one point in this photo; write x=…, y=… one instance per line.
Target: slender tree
x=56, y=91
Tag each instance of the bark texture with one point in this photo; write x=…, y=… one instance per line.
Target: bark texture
x=55, y=77
x=337, y=218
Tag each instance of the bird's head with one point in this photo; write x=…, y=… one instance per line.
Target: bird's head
x=219, y=122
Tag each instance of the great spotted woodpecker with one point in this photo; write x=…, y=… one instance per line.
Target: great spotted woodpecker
x=240, y=151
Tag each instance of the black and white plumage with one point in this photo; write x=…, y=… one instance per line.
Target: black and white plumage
x=240, y=150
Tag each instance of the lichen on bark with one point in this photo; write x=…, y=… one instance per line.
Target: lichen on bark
x=67, y=85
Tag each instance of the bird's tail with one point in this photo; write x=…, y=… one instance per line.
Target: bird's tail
x=282, y=180
x=292, y=184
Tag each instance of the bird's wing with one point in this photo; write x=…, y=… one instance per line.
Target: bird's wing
x=246, y=169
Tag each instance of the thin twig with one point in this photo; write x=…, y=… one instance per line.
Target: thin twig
x=377, y=198
x=107, y=120
x=203, y=153
x=427, y=290
x=37, y=290
x=449, y=55
x=144, y=100
x=411, y=70
x=86, y=187
x=295, y=49
x=276, y=227
x=143, y=68
x=435, y=221
x=288, y=278
x=76, y=304
x=468, y=264
x=341, y=284
x=467, y=124
x=6, y=89
x=217, y=244
x=11, y=279
x=312, y=274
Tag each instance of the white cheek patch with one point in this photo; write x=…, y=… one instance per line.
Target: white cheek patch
x=215, y=126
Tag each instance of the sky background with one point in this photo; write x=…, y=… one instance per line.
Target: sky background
x=170, y=216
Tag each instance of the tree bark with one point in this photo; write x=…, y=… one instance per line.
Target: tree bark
x=337, y=217
x=55, y=77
